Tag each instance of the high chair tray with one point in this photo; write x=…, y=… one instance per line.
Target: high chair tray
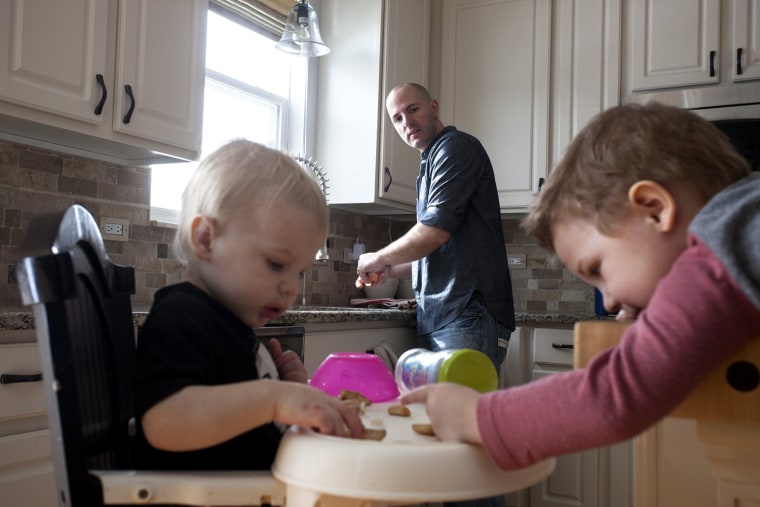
x=403, y=467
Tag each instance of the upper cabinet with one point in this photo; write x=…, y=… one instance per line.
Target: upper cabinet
x=113, y=80
x=495, y=67
x=745, y=30
x=673, y=43
x=524, y=76
x=375, y=46
x=704, y=45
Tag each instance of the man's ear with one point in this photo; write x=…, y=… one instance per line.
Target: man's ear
x=202, y=233
x=654, y=202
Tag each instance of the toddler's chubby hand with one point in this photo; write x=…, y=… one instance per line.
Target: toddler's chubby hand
x=312, y=408
x=289, y=365
x=452, y=409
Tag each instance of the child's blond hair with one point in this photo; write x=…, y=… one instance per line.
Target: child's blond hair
x=623, y=145
x=243, y=179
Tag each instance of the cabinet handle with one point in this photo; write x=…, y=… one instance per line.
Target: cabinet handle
x=541, y=182
x=712, y=63
x=563, y=346
x=739, y=52
x=390, y=179
x=128, y=117
x=103, y=94
x=10, y=378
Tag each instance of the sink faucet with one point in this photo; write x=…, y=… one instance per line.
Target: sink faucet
x=319, y=174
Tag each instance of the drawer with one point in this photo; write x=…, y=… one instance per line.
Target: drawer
x=553, y=346
x=26, y=398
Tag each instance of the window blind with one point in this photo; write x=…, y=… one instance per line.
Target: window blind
x=269, y=15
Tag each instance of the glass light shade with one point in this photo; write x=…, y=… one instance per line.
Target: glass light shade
x=301, y=35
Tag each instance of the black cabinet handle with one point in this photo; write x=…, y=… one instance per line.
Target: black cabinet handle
x=739, y=52
x=562, y=346
x=712, y=63
x=103, y=93
x=541, y=182
x=128, y=117
x=390, y=179
x=10, y=378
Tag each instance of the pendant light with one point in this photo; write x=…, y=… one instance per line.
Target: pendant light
x=301, y=35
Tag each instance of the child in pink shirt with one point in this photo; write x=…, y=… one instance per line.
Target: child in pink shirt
x=653, y=206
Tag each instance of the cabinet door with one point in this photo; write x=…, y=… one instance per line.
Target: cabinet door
x=586, y=45
x=746, y=38
x=671, y=467
x=161, y=58
x=56, y=72
x=674, y=43
x=496, y=56
x=406, y=42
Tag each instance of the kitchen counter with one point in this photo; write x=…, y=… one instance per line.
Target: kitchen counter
x=300, y=315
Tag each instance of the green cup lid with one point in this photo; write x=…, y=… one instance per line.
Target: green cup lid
x=471, y=368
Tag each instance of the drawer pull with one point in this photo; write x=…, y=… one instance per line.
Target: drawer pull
x=9, y=378
x=566, y=346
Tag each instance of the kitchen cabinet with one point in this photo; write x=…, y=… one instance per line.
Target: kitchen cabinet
x=682, y=43
x=670, y=466
x=116, y=80
x=593, y=478
x=322, y=340
x=375, y=46
x=524, y=76
x=26, y=467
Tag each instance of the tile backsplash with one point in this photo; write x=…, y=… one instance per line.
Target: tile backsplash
x=32, y=180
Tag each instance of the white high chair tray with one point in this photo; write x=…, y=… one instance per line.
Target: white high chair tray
x=404, y=467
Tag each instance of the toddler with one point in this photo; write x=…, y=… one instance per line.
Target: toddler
x=209, y=394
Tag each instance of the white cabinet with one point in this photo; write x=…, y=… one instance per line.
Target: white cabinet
x=375, y=46
x=593, y=478
x=116, y=80
x=26, y=469
x=683, y=43
x=495, y=72
x=671, y=468
x=524, y=76
x=673, y=42
x=322, y=340
x=745, y=29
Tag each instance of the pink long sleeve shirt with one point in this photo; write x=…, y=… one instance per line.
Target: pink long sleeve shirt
x=701, y=313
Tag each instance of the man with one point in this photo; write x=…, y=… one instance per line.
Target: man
x=455, y=253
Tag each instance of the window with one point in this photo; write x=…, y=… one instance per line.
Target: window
x=252, y=91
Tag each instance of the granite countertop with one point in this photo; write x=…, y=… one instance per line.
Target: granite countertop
x=19, y=320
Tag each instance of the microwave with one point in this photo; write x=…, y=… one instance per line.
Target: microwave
x=734, y=109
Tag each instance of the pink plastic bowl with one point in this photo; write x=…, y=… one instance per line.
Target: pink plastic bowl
x=356, y=371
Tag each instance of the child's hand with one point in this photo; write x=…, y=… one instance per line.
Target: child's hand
x=289, y=365
x=452, y=409
x=312, y=408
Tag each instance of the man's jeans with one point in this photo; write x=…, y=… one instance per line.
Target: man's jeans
x=475, y=329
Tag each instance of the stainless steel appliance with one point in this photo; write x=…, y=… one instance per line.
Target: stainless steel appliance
x=734, y=109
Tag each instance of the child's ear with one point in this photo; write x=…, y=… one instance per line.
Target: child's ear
x=202, y=231
x=654, y=202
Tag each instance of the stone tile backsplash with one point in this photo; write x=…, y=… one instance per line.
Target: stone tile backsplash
x=32, y=180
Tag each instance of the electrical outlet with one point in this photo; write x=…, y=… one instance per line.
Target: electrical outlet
x=347, y=256
x=114, y=229
x=516, y=262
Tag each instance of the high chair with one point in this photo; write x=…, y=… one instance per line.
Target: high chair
x=85, y=333
x=725, y=405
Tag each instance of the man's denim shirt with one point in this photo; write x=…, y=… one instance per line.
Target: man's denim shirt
x=456, y=192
